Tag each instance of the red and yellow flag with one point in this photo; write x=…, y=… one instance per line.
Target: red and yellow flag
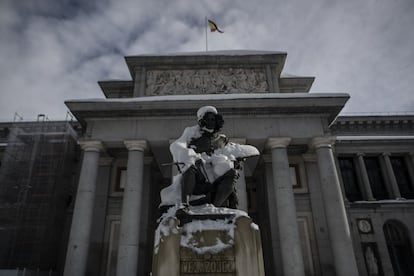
x=213, y=26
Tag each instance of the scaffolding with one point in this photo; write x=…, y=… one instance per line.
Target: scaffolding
x=37, y=177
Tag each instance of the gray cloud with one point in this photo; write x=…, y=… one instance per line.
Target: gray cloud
x=57, y=50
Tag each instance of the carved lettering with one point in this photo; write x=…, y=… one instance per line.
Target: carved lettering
x=211, y=266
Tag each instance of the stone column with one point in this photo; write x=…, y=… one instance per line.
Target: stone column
x=79, y=238
x=339, y=231
x=391, y=175
x=364, y=176
x=318, y=215
x=99, y=216
x=286, y=209
x=131, y=210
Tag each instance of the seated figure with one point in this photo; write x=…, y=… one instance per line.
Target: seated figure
x=208, y=163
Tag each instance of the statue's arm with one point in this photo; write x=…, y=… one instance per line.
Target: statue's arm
x=181, y=152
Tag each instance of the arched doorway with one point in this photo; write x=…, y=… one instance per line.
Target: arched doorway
x=399, y=248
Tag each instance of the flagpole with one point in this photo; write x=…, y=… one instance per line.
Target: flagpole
x=206, y=34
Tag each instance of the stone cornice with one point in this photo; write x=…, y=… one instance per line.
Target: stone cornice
x=378, y=124
x=328, y=105
x=91, y=145
x=295, y=84
x=278, y=142
x=204, y=60
x=117, y=88
x=139, y=145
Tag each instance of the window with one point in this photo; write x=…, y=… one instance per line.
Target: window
x=376, y=180
x=349, y=179
x=399, y=248
x=401, y=174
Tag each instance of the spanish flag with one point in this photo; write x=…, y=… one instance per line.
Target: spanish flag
x=213, y=26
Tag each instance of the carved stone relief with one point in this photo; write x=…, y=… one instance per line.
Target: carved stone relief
x=205, y=81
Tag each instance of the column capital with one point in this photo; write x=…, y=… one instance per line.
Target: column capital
x=386, y=154
x=360, y=154
x=91, y=145
x=139, y=145
x=322, y=142
x=278, y=142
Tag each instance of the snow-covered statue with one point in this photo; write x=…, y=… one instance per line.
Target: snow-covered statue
x=207, y=163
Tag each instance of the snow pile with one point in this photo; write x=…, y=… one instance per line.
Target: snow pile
x=190, y=239
x=167, y=225
x=190, y=232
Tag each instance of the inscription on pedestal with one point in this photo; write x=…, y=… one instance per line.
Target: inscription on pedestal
x=219, y=264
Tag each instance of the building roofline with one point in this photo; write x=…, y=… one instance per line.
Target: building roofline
x=326, y=104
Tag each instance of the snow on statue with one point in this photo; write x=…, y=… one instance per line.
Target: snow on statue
x=208, y=164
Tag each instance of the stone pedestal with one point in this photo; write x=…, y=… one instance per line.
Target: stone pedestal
x=226, y=247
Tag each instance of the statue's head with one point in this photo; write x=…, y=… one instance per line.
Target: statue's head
x=209, y=118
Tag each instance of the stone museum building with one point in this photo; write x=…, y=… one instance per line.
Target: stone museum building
x=331, y=194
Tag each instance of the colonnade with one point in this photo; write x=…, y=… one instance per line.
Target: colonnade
x=79, y=238
x=386, y=166
x=282, y=197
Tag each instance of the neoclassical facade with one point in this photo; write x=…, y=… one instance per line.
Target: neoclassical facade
x=331, y=195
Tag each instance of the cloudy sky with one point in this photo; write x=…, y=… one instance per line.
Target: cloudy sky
x=54, y=50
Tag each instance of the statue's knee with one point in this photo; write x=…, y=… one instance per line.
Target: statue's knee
x=228, y=179
x=230, y=174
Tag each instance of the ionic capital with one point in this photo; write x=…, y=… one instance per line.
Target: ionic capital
x=139, y=145
x=322, y=142
x=91, y=145
x=278, y=142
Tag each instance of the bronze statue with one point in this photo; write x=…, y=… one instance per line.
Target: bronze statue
x=208, y=164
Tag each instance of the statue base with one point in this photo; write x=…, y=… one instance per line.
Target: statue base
x=212, y=241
